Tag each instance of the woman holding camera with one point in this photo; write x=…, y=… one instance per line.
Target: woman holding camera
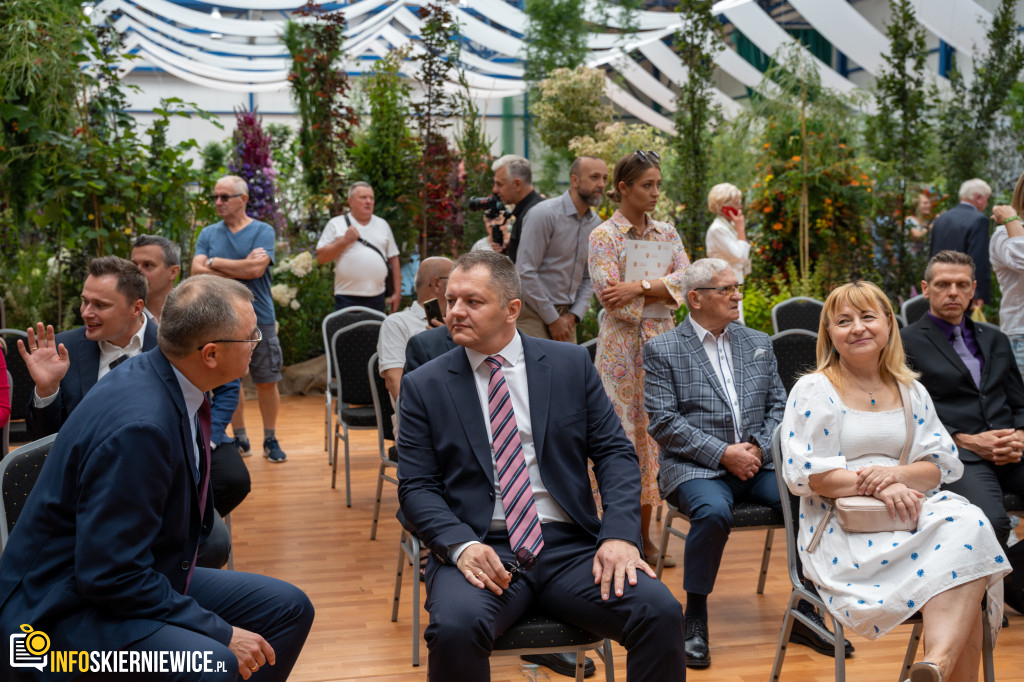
x=636, y=186
x=843, y=435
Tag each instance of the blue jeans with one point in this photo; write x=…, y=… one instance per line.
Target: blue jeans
x=1017, y=342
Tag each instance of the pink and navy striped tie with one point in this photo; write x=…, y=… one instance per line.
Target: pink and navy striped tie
x=513, y=477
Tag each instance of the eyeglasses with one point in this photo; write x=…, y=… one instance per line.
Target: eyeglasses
x=253, y=341
x=223, y=197
x=728, y=289
x=655, y=157
x=525, y=560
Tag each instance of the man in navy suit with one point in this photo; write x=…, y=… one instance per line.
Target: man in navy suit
x=527, y=536
x=714, y=396
x=115, y=328
x=102, y=557
x=965, y=228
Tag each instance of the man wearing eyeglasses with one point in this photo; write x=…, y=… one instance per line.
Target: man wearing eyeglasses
x=242, y=248
x=492, y=467
x=102, y=558
x=714, y=397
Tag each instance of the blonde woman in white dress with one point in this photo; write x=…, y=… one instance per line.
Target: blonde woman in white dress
x=727, y=236
x=842, y=434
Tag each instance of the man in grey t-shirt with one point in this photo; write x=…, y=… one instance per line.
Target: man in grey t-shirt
x=552, y=259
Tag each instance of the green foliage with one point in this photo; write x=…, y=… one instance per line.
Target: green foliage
x=437, y=212
x=695, y=116
x=475, y=150
x=319, y=90
x=812, y=197
x=556, y=36
x=303, y=294
x=966, y=119
x=570, y=105
x=900, y=138
x=386, y=153
x=759, y=297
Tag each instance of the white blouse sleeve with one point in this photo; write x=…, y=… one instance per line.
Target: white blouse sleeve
x=932, y=442
x=810, y=433
x=721, y=242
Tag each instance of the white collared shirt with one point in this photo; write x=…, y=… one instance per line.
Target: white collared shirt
x=108, y=353
x=193, y=399
x=719, y=352
x=514, y=369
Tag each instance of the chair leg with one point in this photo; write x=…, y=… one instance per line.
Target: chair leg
x=415, y=545
x=787, y=628
x=581, y=665
x=912, y=645
x=987, y=665
x=764, y=560
x=327, y=426
x=661, y=506
x=609, y=664
x=663, y=547
x=348, y=473
x=398, y=576
x=334, y=460
x=376, y=504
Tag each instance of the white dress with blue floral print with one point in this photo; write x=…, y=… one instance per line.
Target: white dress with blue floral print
x=872, y=582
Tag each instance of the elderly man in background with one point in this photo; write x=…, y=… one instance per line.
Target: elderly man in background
x=964, y=228
x=364, y=253
x=513, y=183
x=242, y=248
x=552, y=260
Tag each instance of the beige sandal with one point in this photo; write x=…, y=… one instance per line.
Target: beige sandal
x=925, y=672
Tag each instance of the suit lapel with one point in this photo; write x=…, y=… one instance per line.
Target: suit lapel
x=538, y=378
x=696, y=348
x=462, y=391
x=940, y=341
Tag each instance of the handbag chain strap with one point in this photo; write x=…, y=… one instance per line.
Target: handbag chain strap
x=908, y=417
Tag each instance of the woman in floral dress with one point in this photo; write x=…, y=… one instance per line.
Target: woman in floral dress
x=624, y=329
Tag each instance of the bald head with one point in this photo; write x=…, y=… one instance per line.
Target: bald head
x=432, y=280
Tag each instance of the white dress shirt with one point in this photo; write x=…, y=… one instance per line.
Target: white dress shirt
x=719, y=352
x=514, y=369
x=109, y=352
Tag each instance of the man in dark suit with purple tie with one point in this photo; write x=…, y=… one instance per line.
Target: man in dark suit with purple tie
x=102, y=558
x=493, y=448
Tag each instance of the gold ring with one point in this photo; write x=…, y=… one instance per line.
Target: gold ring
x=254, y=669
x=35, y=348
x=480, y=573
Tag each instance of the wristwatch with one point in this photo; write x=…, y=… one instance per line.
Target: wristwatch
x=645, y=285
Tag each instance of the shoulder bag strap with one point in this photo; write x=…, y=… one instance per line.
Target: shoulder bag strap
x=908, y=415
x=368, y=244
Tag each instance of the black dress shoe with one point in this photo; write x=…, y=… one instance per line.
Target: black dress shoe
x=801, y=634
x=698, y=654
x=563, y=664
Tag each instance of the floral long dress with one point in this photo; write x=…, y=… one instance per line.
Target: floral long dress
x=620, y=345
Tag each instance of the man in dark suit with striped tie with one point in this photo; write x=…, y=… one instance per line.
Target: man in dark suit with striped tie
x=492, y=475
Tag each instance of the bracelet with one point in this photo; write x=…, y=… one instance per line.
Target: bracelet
x=1010, y=219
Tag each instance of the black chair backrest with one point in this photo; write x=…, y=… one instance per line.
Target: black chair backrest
x=343, y=318
x=19, y=471
x=352, y=348
x=795, y=353
x=799, y=312
x=23, y=383
x=381, y=399
x=913, y=309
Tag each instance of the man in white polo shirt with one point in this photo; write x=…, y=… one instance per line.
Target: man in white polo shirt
x=364, y=253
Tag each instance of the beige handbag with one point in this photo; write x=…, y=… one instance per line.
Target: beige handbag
x=864, y=513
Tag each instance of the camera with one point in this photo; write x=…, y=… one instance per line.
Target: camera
x=492, y=206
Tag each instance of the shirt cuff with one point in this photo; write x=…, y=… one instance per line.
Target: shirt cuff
x=43, y=402
x=455, y=551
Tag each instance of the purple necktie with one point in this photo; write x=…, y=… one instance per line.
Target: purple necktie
x=513, y=477
x=972, y=363
x=203, y=449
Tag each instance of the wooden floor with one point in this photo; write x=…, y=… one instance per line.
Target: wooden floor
x=294, y=527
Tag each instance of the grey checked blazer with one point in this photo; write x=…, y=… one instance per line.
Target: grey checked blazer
x=690, y=417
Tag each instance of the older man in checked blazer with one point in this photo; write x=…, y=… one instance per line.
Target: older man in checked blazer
x=714, y=396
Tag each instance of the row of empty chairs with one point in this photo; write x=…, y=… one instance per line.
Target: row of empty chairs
x=803, y=312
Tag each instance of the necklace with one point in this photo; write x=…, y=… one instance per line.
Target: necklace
x=871, y=393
